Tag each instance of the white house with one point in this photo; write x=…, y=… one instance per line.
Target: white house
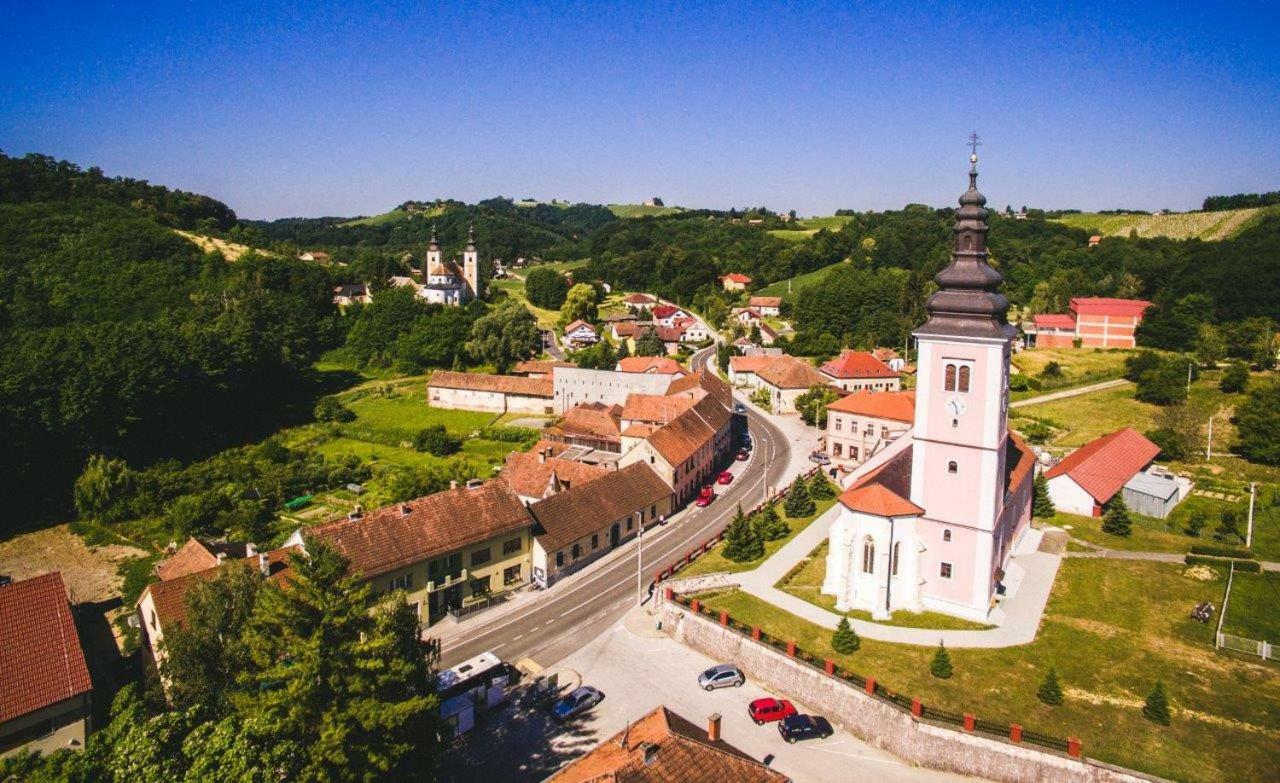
x=1088, y=477
x=766, y=305
x=580, y=334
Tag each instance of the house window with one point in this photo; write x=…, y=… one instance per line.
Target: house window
x=577, y=551
x=946, y=535
x=837, y=421
x=944, y=570
x=402, y=582
x=836, y=449
x=868, y=555
x=951, y=467
x=512, y=546
x=631, y=523
x=893, y=559
x=595, y=540
x=560, y=559
x=480, y=586
x=511, y=575
x=480, y=557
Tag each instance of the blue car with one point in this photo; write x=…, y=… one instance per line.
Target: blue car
x=803, y=727
x=576, y=703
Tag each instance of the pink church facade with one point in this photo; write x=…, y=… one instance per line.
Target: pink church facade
x=931, y=524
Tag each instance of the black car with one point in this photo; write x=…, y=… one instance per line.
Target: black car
x=803, y=727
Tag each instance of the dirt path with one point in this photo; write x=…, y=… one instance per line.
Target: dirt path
x=1093, y=387
x=89, y=572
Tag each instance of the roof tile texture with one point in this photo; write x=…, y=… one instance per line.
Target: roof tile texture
x=41, y=662
x=1102, y=466
x=582, y=510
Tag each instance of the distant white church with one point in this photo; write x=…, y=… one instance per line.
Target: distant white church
x=444, y=282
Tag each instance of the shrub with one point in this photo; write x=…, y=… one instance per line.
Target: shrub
x=1173, y=445
x=1018, y=382
x=1139, y=363
x=820, y=488
x=845, y=640
x=436, y=440
x=1236, y=378
x=761, y=398
x=1195, y=524
x=798, y=502
x=1220, y=551
x=1050, y=691
x=741, y=541
x=1051, y=370
x=940, y=667
x=1116, y=519
x=1247, y=566
x=331, y=409
x=1036, y=431
x=1228, y=526
x=770, y=526
x=1156, y=708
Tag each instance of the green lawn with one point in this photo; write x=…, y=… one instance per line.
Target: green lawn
x=403, y=413
x=1111, y=629
x=1252, y=608
x=640, y=210
x=547, y=319
x=1148, y=534
x=1078, y=420
x=713, y=562
x=1080, y=364
x=799, y=281
x=1179, y=225
x=806, y=584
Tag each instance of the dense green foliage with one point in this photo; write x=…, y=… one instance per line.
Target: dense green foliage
x=546, y=287
x=769, y=525
x=319, y=681
x=812, y=405
x=741, y=540
x=1241, y=201
x=1115, y=519
x=940, y=666
x=1258, y=425
x=401, y=330
x=799, y=502
x=1156, y=707
x=504, y=336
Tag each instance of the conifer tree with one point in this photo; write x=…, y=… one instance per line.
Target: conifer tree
x=1116, y=519
x=1050, y=691
x=1042, y=504
x=798, y=503
x=1156, y=707
x=845, y=640
x=820, y=488
x=770, y=526
x=941, y=665
x=741, y=541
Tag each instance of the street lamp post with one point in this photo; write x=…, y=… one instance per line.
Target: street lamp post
x=1248, y=536
x=639, y=556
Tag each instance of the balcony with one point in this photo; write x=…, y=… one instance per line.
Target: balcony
x=446, y=581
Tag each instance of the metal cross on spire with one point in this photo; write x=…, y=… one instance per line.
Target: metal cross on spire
x=974, y=143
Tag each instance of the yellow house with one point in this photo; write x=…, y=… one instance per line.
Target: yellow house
x=450, y=552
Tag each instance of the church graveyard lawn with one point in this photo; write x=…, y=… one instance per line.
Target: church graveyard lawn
x=1111, y=629
x=713, y=562
x=1251, y=610
x=806, y=584
x=1149, y=534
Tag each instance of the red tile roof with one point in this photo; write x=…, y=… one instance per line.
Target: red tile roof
x=680, y=439
x=170, y=597
x=876, y=499
x=663, y=747
x=857, y=364
x=529, y=477
x=655, y=408
x=578, y=324
x=539, y=366
x=1102, y=466
x=640, y=299
x=765, y=301
x=1054, y=321
x=594, y=419
x=41, y=661
x=788, y=372
x=584, y=509
x=192, y=557
x=405, y=533
x=506, y=384
x=1101, y=305
x=665, y=310
x=895, y=406
x=750, y=364
x=735, y=277
x=659, y=365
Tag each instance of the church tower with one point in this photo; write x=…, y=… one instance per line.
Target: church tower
x=471, y=264
x=961, y=419
x=433, y=266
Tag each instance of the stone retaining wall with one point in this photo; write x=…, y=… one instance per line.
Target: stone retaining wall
x=879, y=723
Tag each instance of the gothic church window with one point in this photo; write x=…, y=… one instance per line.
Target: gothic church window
x=868, y=556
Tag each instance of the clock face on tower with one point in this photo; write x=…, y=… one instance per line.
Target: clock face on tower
x=955, y=406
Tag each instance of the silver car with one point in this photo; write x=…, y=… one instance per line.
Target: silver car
x=722, y=675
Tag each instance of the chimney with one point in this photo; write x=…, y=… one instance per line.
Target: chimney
x=453, y=484
x=404, y=510
x=713, y=727
x=222, y=557
x=250, y=549
x=542, y=456
x=264, y=565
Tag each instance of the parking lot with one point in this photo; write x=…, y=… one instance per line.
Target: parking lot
x=638, y=669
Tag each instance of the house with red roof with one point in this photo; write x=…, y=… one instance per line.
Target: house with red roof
x=860, y=424
x=1088, y=477
x=855, y=370
x=1095, y=321
x=45, y=690
x=735, y=282
x=580, y=334
x=666, y=315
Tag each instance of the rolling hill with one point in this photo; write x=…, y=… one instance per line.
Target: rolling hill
x=1211, y=226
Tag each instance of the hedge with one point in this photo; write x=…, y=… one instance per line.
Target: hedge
x=1218, y=550
x=1248, y=566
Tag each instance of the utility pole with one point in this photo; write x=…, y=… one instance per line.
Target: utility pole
x=639, y=558
x=1189, y=366
x=1208, y=448
x=1248, y=536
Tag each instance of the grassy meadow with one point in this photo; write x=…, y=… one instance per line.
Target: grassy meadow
x=1210, y=226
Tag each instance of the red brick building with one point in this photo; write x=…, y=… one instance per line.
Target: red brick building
x=1097, y=322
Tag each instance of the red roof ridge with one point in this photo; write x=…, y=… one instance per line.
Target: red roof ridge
x=876, y=499
x=1103, y=465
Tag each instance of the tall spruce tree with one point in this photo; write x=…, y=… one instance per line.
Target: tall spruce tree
x=820, y=488
x=770, y=526
x=741, y=541
x=1156, y=708
x=940, y=667
x=1042, y=505
x=845, y=640
x=1116, y=518
x=798, y=502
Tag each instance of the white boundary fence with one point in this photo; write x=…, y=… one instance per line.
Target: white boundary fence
x=1264, y=650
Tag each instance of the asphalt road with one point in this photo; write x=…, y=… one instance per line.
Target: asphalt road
x=564, y=618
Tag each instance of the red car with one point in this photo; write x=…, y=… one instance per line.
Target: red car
x=725, y=478
x=705, y=497
x=743, y=455
x=763, y=711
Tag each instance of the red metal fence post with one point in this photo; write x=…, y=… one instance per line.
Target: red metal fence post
x=831, y=666
x=724, y=617
x=871, y=685
x=1015, y=733
x=695, y=606
x=791, y=649
x=969, y=721
x=1073, y=747
x=755, y=632
x=667, y=593
x=917, y=709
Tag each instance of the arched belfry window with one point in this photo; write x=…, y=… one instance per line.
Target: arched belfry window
x=964, y=378
x=868, y=555
x=949, y=379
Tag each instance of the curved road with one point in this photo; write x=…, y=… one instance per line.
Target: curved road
x=564, y=618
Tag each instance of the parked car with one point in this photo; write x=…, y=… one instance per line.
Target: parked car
x=764, y=710
x=819, y=457
x=721, y=675
x=725, y=477
x=739, y=408
x=743, y=455
x=803, y=727
x=576, y=703
x=704, y=500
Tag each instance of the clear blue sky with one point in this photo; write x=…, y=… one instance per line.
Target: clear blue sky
x=323, y=108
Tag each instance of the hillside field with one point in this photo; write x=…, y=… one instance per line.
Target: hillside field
x=807, y=227
x=640, y=210
x=1212, y=226
x=799, y=281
